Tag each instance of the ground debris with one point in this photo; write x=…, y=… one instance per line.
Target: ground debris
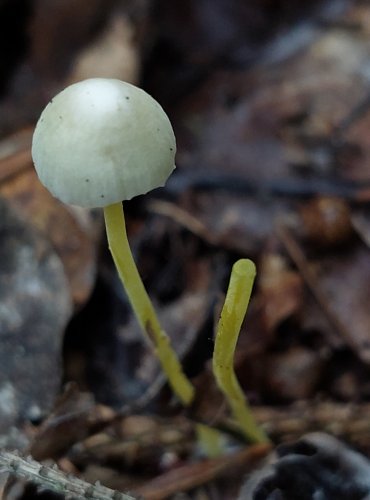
x=50, y=479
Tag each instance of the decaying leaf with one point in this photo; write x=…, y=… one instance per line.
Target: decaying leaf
x=35, y=306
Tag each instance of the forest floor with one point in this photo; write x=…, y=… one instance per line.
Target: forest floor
x=270, y=103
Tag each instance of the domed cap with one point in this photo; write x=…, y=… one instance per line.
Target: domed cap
x=101, y=141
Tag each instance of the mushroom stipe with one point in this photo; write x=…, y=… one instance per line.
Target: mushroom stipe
x=141, y=303
x=227, y=333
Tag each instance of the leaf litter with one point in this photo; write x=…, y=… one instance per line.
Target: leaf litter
x=273, y=154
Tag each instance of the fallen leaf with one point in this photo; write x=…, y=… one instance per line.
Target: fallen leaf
x=73, y=232
x=35, y=308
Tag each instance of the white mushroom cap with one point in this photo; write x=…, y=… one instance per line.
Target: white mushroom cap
x=101, y=141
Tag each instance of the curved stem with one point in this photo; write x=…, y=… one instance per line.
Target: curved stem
x=141, y=303
x=227, y=333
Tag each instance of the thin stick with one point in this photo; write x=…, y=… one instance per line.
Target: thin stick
x=141, y=303
x=298, y=257
x=51, y=479
x=190, y=476
x=232, y=315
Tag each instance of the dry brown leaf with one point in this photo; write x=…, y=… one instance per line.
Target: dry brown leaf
x=72, y=232
x=344, y=279
x=280, y=290
x=74, y=416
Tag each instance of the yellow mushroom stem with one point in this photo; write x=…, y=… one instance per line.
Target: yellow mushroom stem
x=142, y=305
x=227, y=333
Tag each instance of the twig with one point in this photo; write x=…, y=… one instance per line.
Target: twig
x=183, y=218
x=53, y=479
x=357, y=191
x=193, y=475
x=347, y=421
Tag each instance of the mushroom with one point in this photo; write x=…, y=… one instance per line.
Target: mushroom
x=99, y=142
